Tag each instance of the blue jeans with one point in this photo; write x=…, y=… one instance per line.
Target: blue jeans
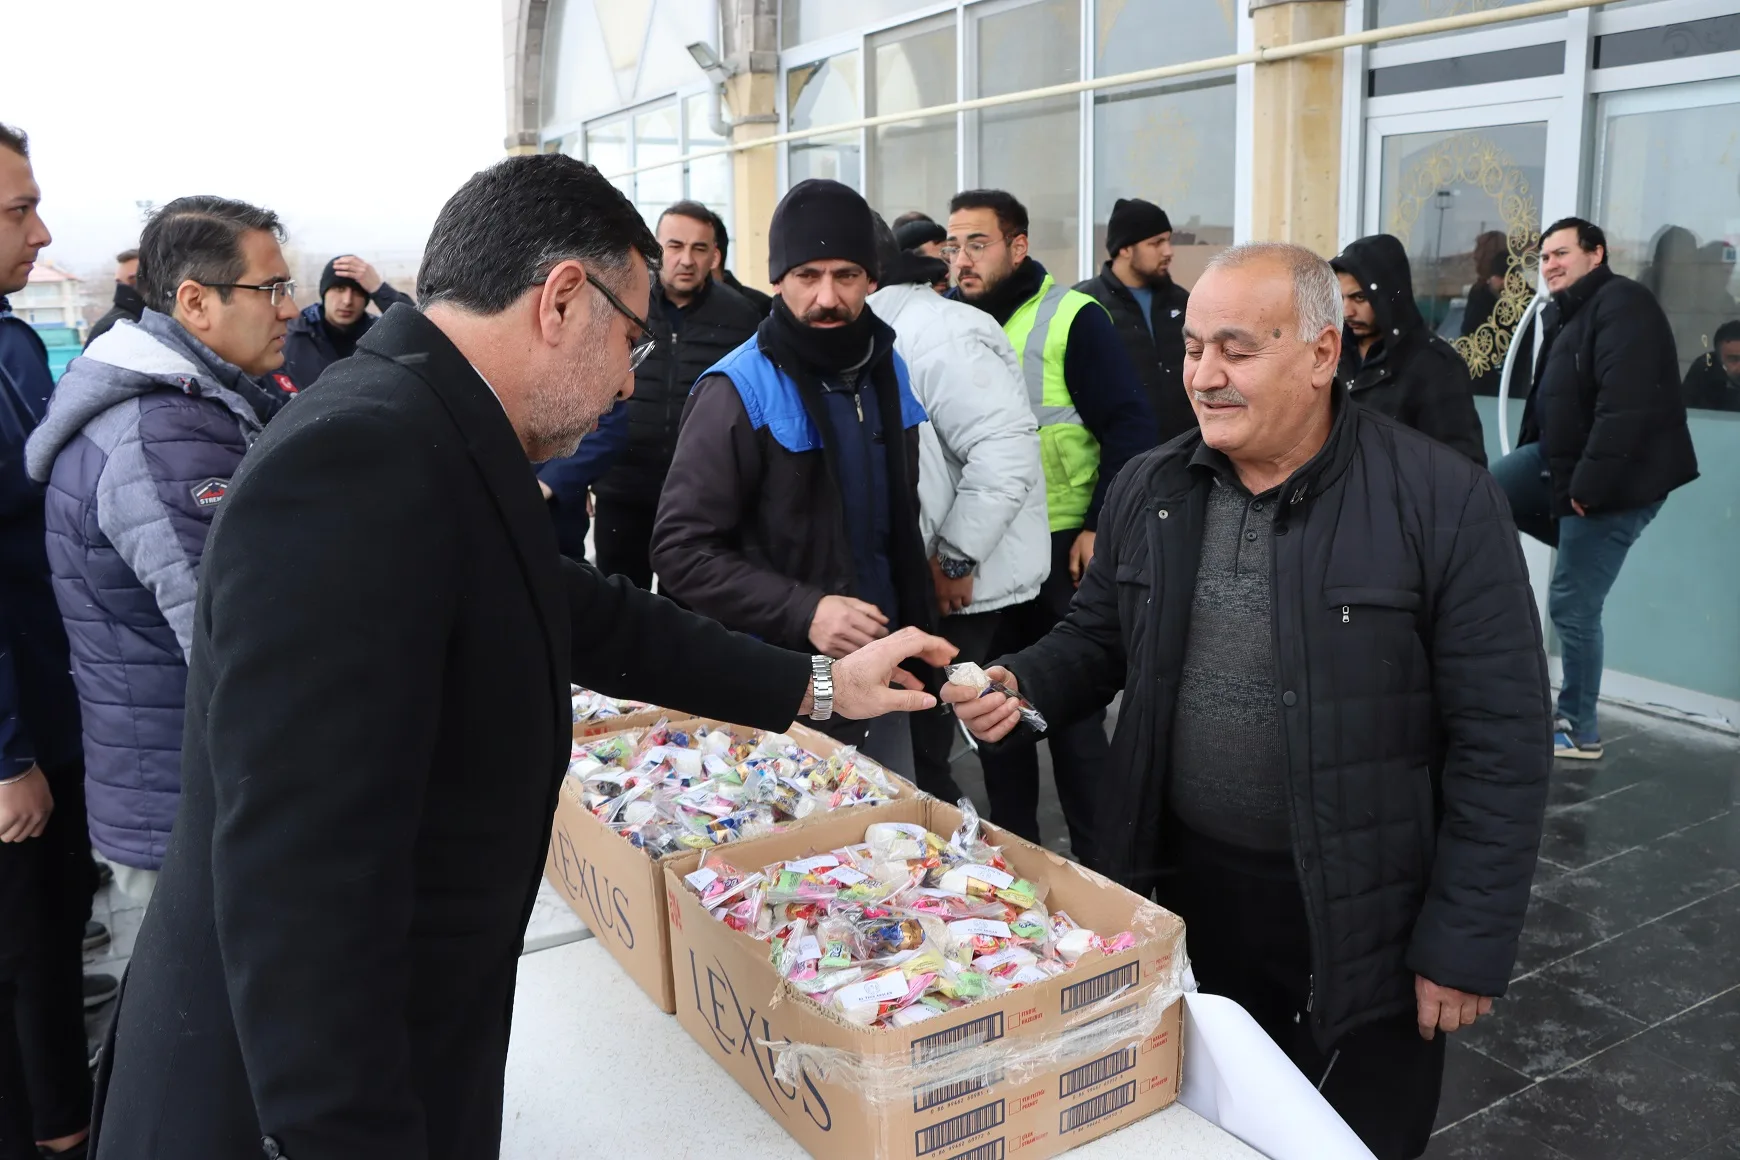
x=1591, y=550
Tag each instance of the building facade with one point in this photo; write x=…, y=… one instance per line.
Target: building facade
x=1461, y=143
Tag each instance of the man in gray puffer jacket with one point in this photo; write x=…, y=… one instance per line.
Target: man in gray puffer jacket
x=142, y=435
x=981, y=490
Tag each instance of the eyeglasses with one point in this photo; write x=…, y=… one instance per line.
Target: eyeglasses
x=280, y=291
x=636, y=353
x=974, y=249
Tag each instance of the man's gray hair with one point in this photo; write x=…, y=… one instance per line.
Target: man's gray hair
x=1316, y=290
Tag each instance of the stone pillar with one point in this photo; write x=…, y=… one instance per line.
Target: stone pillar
x=750, y=46
x=522, y=70
x=1296, y=142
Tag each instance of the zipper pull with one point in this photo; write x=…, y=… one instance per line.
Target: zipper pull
x=858, y=401
x=1345, y=617
x=1311, y=996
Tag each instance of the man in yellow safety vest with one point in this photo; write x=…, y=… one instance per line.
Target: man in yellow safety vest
x=1093, y=418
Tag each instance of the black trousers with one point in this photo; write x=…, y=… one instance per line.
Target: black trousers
x=933, y=731
x=622, y=534
x=45, y=900
x=1079, y=751
x=1245, y=929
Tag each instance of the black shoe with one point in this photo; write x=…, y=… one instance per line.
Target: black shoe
x=105, y=873
x=79, y=1151
x=96, y=935
x=99, y=989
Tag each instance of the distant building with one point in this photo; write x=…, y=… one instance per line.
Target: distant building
x=53, y=303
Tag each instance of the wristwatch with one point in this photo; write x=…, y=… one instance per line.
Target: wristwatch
x=955, y=569
x=822, y=686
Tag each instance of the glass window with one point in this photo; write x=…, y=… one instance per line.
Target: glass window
x=607, y=148
x=912, y=166
x=1668, y=195
x=656, y=139
x=824, y=93
x=710, y=177
x=1672, y=42
x=1172, y=144
x=1033, y=149
x=1466, y=205
x=1387, y=12
x=577, y=78
x=1482, y=68
x=805, y=20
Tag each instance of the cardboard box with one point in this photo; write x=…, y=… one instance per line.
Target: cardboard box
x=1030, y=1074
x=619, y=892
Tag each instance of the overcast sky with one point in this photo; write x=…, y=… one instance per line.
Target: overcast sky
x=353, y=119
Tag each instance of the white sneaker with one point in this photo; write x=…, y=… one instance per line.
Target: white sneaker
x=1563, y=746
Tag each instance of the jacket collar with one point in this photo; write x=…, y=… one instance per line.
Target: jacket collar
x=1572, y=297
x=404, y=336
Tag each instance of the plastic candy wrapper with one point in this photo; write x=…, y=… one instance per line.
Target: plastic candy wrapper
x=590, y=706
x=666, y=788
x=902, y=927
x=974, y=677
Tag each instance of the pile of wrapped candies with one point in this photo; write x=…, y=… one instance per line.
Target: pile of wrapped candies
x=667, y=789
x=901, y=927
x=590, y=706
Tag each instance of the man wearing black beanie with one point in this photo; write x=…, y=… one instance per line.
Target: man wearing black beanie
x=791, y=507
x=1136, y=286
x=328, y=331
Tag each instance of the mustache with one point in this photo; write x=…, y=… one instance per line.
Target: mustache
x=826, y=314
x=1227, y=396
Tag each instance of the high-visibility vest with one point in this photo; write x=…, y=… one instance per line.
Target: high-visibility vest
x=1039, y=330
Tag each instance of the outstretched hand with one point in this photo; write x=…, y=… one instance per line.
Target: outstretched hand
x=991, y=717
x=862, y=678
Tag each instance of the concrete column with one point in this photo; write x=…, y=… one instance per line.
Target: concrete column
x=749, y=44
x=1296, y=146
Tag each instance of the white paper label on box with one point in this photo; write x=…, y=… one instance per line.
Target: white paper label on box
x=998, y=878
x=1029, y=975
x=805, y=865
x=973, y=927
x=880, y=990
x=1006, y=955
x=809, y=950
x=701, y=879
x=917, y=1013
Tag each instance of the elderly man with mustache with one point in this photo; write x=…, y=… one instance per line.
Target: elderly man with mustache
x=1332, y=753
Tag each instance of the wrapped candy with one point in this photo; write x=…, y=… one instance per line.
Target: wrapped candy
x=974, y=677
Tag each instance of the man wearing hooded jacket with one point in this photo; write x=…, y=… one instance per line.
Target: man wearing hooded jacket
x=981, y=489
x=1390, y=359
x=790, y=510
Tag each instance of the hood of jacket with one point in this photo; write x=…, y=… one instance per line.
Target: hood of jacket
x=133, y=359
x=1380, y=264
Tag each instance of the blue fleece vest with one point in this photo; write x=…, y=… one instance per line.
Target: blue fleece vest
x=771, y=399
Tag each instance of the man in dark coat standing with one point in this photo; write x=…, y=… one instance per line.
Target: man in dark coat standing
x=1135, y=286
x=1390, y=359
x=129, y=303
x=1331, y=759
x=1603, y=441
x=330, y=329
x=791, y=507
x=373, y=752
x=696, y=322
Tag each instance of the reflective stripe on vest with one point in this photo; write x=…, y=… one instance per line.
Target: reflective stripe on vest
x=1039, y=329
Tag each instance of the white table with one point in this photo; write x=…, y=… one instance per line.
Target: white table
x=588, y=1049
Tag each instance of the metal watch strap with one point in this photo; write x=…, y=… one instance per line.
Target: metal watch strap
x=822, y=686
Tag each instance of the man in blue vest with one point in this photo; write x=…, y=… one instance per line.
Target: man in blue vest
x=791, y=507
x=1093, y=419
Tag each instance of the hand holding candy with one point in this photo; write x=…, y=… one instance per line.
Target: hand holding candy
x=861, y=679
x=990, y=716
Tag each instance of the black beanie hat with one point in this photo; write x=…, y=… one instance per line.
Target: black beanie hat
x=1134, y=220
x=916, y=233
x=329, y=279
x=819, y=218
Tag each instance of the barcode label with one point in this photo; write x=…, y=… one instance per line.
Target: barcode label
x=989, y=1150
x=953, y=1131
x=936, y=1095
x=975, y=1033
x=1090, y=991
x=1097, y=1072
x=1099, y=1107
